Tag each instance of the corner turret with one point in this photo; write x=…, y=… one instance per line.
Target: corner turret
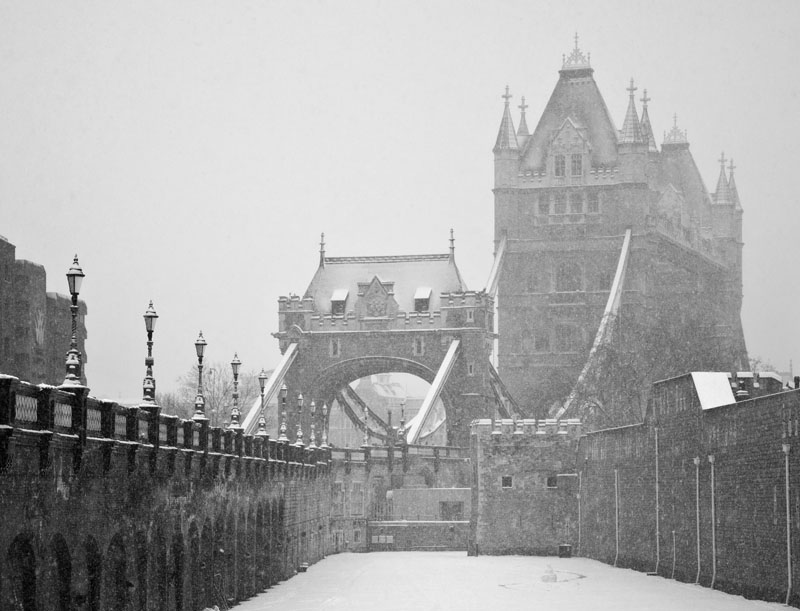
x=506, y=149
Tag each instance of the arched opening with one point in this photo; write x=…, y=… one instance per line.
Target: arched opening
x=261, y=555
x=229, y=558
x=62, y=574
x=194, y=595
x=94, y=565
x=116, y=578
x=140, y=555
x=206, y=565
x=158, y=565
x=242, y=555
x=177, y=574
x=22, y=565
x=218, y=596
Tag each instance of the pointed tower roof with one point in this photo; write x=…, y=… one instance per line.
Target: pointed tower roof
x=644, y=124
x=522, y=130
x=575, y=97
x=631, y=132
x=732, y=186
x=506, y=136
x=722, y=196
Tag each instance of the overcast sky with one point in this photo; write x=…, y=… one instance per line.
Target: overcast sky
x=192, y=152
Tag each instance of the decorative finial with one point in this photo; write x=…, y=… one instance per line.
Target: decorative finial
x=576, y=41
x=322, y=248
x=506, y=96
x=631, y=89
x=675, y=135
x=675, y=120
x=452, y=243
x=576, y=59
x=523, y=106
x=644, y=100
x=722, y=160
x=731, y=167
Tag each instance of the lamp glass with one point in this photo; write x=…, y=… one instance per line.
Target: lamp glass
x=200, y=345
x=284, y=392
x=262, y=379
x=150, y=318
x=235, y=364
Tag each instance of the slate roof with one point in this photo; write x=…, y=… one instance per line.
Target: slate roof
x=407, y=272
x=677, y=168
x=576, y=97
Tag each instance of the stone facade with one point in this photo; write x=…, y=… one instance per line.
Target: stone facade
x=35, y=327
x=524, y=486
x=564, y=197
x=107, y=507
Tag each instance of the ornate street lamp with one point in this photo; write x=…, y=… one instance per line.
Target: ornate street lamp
x=199, y=400
x=149, y=383
x=313, y=441
x=324, y=445
x=262, y=419
x=284, y=391
x=75, y=277
x=235, y=413
x=299, y=441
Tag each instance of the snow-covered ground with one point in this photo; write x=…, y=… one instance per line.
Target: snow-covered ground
x=428, y=581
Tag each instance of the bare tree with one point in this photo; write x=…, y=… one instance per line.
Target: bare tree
x=217, y=392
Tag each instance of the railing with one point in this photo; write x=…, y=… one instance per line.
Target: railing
x=26, y=407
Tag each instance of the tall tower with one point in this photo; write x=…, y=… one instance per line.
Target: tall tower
x=565, y=197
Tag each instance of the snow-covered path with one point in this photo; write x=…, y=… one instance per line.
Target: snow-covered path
x=428, y=581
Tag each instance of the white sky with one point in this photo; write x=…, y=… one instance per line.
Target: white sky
x=192, y=152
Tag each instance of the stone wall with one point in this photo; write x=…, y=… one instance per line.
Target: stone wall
x=524, y=489
x=107, y=507
x=699, y=495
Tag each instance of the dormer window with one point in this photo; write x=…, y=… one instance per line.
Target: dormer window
x=577, y=164
x=338, y=302
x=560, y=165
x=422, y=299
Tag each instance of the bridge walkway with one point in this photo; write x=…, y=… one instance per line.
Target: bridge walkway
x=452, y=581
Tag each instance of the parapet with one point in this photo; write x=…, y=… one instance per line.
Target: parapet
x=508, y=429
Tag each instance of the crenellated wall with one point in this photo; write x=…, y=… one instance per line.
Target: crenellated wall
x=108, y=507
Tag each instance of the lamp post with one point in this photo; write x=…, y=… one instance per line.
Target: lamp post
x=262, y=419
x=299, y=441
x=324, y=445
x=312, y=445
x=199, y=400
x=282, y=436
x=401, y=432
x=149, y=383
x=366, y=428
x=75, y=277
x=235, y=413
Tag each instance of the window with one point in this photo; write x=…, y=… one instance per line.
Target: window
x=337, y=500
x=541, y=341
x=568, y=277
x=506, y=481
x=552, y=481
x=356, y=536
x=470, y=369
x=577, y=164
x=594, y=202
x=559, y=204
x=560, y=165
x=567, y=338
x=335, y=348
x=419, y=346
x=338, y=302
x=470, y=315
x=422, y=299
x=576, y=203
x=357, y=499
x=544, y=208
x=451, y=510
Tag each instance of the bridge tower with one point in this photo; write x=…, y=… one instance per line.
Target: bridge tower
x=566, y=195
x=362, y=316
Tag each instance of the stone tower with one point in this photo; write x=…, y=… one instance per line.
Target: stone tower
x=566, y=195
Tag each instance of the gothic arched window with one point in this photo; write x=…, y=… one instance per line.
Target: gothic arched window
x=568, y=277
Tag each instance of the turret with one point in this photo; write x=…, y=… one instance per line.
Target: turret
x=632, y=144
x=646, y=128
x=722, y=210
x=506, y=149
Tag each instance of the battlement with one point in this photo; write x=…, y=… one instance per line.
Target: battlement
x=507, y=429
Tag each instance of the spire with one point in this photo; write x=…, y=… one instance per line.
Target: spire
x=732, y=186
x=722, y=195
x=506, y=137
x=675, y=135
x=631, y=131
x=576, y=60
x=644, y=124
x=522, y=130
x=322, y=250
